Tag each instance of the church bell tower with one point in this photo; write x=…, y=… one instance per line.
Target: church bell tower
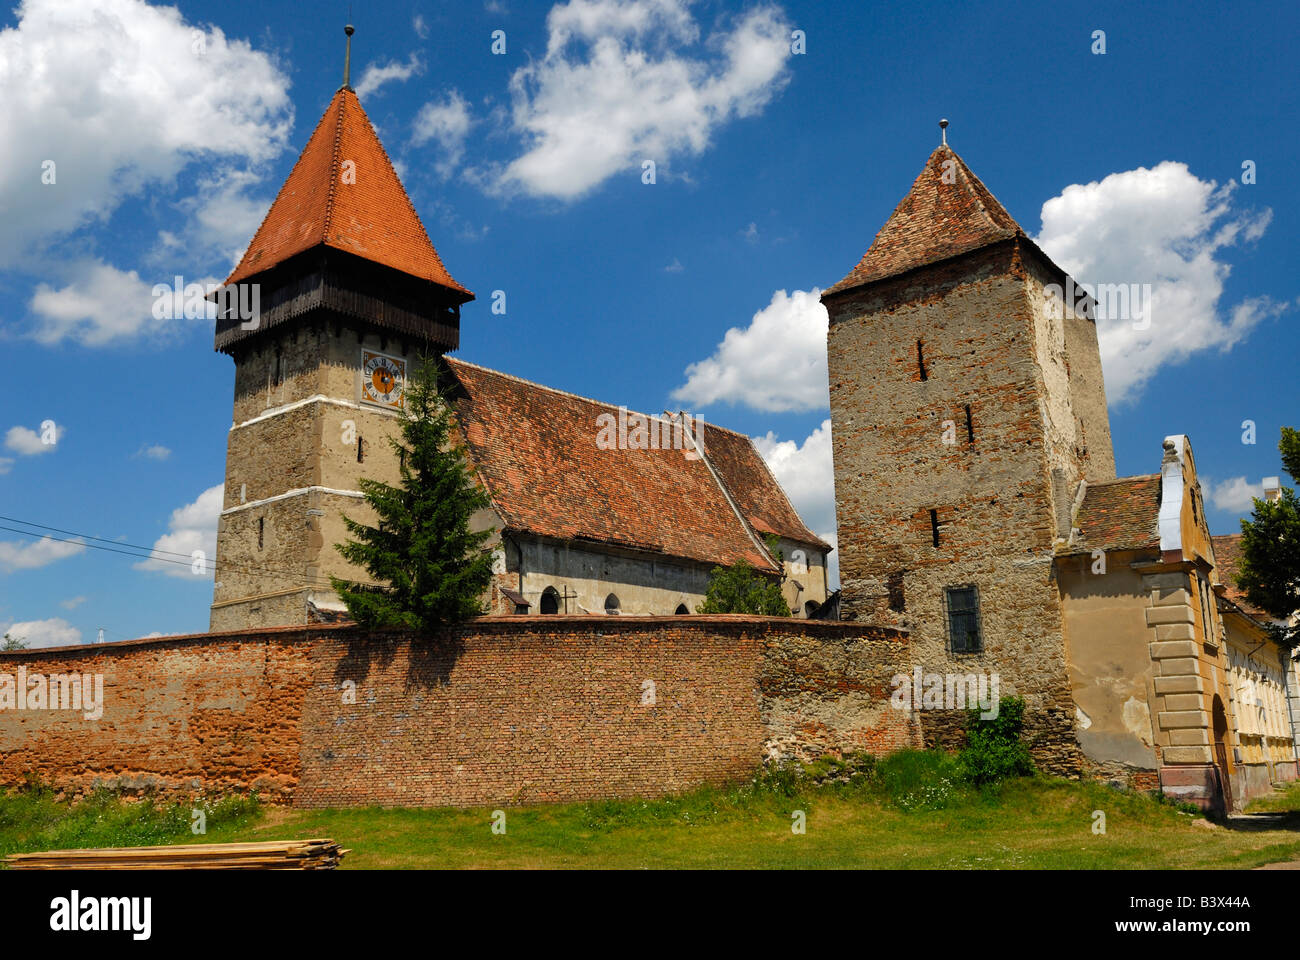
x=350, y=293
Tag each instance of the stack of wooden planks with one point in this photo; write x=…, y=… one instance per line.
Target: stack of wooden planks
x=273, y=855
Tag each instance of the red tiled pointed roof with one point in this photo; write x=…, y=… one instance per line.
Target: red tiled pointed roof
x=536, y=450
x=935, y=221
x=361, y=208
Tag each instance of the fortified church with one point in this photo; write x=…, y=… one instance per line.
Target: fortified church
x=352, y=292
x=976, y=492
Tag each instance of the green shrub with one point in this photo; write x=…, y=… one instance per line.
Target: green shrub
x=994, y=748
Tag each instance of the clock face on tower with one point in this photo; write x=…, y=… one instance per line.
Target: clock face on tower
x=382, y=379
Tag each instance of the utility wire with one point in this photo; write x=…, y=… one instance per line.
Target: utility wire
x=151, y=553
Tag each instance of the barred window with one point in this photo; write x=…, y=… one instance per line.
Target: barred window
x=964, y=632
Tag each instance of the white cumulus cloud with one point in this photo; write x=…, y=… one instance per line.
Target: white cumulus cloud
x=191, y=527
x=1235, y=494
x=1164, y=227
x=625, y=81
x=29, y=555
x=388, y=71
x=54, y=632
x=777, y=363
x=101, y=304
x=447, y=122
x=27, y=442
x=116, y=96
x=806, y=471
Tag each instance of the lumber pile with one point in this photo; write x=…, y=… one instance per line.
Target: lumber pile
x=273, y=855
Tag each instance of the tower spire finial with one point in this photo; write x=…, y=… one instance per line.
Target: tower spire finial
x=347, y=58
x=943, y=132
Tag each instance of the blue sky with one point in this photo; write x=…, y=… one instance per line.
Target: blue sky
x=171, y=127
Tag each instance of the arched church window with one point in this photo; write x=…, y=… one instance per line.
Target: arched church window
x=611, y=604
x=681, y=609
x=550, y=601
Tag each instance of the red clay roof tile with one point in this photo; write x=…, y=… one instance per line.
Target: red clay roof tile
x=536, y=449
x=1121, y=514
x=947, y=212
x=362, y=209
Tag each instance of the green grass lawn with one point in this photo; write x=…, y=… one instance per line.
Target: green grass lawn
x=1030, y=822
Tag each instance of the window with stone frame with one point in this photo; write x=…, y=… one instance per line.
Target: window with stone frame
x=965, y=632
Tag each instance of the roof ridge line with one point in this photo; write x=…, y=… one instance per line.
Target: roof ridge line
x=334, y=167
x=571, y=395
x=759, y=543
x=1136, y=476
x=980, y=191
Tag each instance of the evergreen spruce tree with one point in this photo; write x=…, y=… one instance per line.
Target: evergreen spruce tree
x=1270, y=550
x=430, y=570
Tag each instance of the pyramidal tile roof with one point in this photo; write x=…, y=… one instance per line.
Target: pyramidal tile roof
x=947, y=212
x=344, y=193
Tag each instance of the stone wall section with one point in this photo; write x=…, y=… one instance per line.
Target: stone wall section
x=503, y=710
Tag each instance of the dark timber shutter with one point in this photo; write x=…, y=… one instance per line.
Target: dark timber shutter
x=964, y=619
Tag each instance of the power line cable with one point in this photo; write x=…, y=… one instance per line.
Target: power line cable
x=151, y=553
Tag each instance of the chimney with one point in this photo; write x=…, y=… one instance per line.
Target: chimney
x=1272, y=489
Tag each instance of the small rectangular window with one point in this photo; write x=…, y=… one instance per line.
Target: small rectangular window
x=361, y=450
x=261, y=526
x=920, y=359
x=934, y=526
x=964, y=633
x=970, y=427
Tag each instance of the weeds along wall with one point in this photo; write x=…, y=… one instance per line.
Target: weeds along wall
x=502, y=710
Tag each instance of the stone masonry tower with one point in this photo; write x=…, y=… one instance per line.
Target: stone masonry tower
x=966, y=406
x=351, y=293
